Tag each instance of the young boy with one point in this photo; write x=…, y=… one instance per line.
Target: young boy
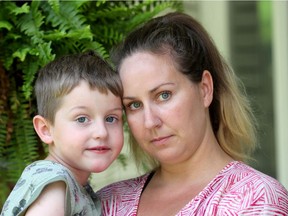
x=80, y=119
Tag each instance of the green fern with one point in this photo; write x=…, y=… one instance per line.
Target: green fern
x=25, y=143
x=3, y=135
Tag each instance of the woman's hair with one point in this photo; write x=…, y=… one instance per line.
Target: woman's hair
x=60, y=76
x=193, y=51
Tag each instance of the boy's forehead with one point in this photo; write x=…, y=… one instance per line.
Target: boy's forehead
x=83, y=93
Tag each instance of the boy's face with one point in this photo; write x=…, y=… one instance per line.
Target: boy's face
x=88, y=131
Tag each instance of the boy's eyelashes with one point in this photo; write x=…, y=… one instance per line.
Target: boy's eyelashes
x=82, y=119
x=111, y=119
x=108, y=119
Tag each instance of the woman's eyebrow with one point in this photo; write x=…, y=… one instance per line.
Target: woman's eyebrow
x=150, y=91
x=159, y=86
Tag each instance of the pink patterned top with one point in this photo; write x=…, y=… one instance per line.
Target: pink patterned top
x=237, y=190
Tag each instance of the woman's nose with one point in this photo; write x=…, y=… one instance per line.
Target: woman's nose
x=151, y=118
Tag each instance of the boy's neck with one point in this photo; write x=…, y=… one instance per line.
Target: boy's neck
x=80, y=176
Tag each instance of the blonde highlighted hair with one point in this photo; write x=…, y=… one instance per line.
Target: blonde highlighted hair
x=193, y=51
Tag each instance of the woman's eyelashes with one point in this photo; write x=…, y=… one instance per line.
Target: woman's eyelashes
x=133, y=105
x=163, y=96
x=160, y=97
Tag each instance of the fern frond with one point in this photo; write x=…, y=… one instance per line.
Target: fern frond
x=29, y=71
x=94, y=45
x=24, y=9
x=75, y=34
x=55, y=5
x=32, y=59
x=145, y=15
x=3, y=132
x=67, y=17
x=24, y=149
x=31, y=22
x=109, y=35
x=78, y=34
x=21, y=53
x=109, y=12
x=5, y=25
x=45, y=53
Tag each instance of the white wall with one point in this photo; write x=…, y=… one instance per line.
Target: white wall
x=280, y=78
x=213, y=15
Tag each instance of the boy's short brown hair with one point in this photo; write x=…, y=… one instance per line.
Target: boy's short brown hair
x=60, y=76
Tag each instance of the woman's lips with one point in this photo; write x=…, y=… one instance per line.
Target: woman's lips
x=160, y=140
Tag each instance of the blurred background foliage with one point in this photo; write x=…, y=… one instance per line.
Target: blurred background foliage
x=33, y=33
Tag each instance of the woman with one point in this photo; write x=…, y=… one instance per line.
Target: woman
x=190, y=121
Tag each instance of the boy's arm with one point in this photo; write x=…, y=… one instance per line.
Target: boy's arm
x=50, y=202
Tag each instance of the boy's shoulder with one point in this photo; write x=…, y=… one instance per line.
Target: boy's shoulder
x=32, y=181
x=45, y=167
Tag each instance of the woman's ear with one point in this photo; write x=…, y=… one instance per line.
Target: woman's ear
x=207, y=88
x=42, y=128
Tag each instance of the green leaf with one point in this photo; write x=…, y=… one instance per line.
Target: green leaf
x=79, y=34
x=5, y=24
x=55, y=5
x=21, y=53
x=24, y=9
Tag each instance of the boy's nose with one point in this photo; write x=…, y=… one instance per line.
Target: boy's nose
x=99, y=130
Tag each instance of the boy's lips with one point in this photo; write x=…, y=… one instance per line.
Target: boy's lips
x=99, y=149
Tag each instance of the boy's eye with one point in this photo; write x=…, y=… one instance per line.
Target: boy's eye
x=164, y=95
x=111, y=119
x=134, y=105
x=82, y=119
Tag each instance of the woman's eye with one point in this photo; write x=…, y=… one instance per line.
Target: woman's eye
x=164, y=95
x=82, y=119
x=134, y=105
x=111, y=119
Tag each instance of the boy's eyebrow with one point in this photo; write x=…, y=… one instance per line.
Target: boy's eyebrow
x=150, y=91
x=118, y=108
x=84, y=107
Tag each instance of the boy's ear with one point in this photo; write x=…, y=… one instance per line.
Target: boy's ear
x=42, y=128
x=207, y=88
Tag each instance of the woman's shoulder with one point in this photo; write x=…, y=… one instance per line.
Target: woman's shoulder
x=123, y=187
x=252, y=191
x=240, y=178
x=241, y=189
x=239, y=172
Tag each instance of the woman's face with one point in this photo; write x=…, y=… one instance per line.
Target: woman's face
x=166, y=112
